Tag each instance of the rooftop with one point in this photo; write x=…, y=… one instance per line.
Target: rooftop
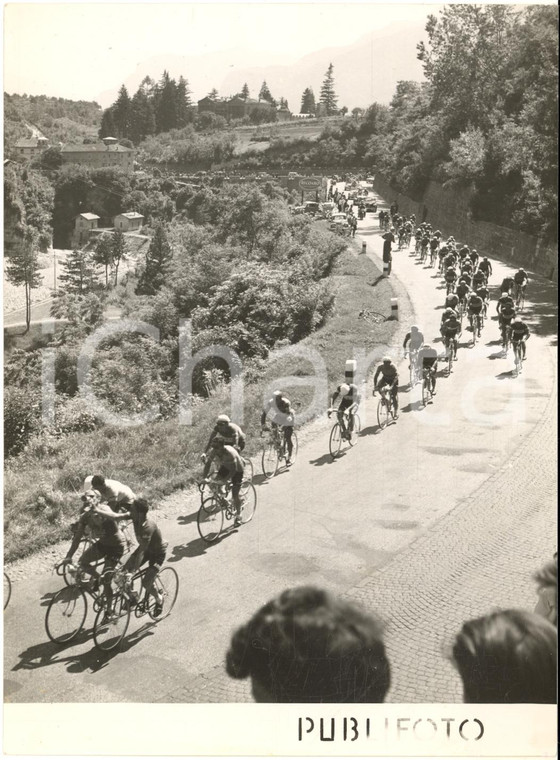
x=96, y=148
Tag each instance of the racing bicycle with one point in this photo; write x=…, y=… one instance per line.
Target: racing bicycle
x=218, y=505
x=336, y=439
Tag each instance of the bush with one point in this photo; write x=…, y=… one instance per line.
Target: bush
x=21, y=420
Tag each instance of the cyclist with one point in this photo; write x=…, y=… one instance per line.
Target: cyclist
x=448, y=313
x=428, y=362
x=434, y=245
x=451, y=301
x=349, y=401
x=230, y=470
x=151, y=548
x=479, y=279
x=466, y=277
x=389, y=376
x=507, y=285
x=115, y=494
x=475, y=306
x=519, y=333
x=505, y=316
x=464, y=252
x=451, y=330
x=281, y=414
x=229, y=432
x=504, y=300
x=103, y=524
x=484, y=293
x=486, y=267
x=462, y=291
x=473, y=256
x=414, y=340
x=450, y=279
x=521, y=280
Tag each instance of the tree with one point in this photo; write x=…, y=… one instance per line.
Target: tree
x=158, y=260
x=108, y=127
x=122, y=113
x=213, y=94
x=78, y=272
x=266, y=95
x=328, y=96
x=344, y=110
x=357, y=113
x=118, y=244
x=308, y=101
x=103, y=255
x=167, y=104
x=23, y=268
x=184, y=103
x=142, y=120
x=245, y=91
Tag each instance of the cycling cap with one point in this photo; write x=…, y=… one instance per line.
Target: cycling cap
x=474, y=250
x=344, y=389
x=277, y=393
x=223, y=418
x=414, y=327
x=387, y=360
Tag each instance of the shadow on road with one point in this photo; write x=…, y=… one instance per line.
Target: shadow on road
x=497, y=355
x=195, y=548
x=377, y=281
x=325, y=459
x=413, y=406
x=507, y=375
x=187, y=519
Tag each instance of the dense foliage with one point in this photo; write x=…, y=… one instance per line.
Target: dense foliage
x=60, y=120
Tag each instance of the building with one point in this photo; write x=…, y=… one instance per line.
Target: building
x=129, y=221
x=31, y=147
x=99, y=155
x=283, y=113
x=83, y=225
x=236, y=107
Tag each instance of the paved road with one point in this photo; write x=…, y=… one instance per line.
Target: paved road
x=442, y=516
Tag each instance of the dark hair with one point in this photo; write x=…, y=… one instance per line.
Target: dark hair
x=547, y=576
x=98, y=481
x=308, y=646
x=141, y=505
x=507, y=657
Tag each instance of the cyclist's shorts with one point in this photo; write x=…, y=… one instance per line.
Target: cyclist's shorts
x=345, y=404
x=451, y=334
x=504, y=321
x=155, y=560
x=517, y=338
x=475, y=310
x=428, y=364
x=111, y=552
x=384, y=382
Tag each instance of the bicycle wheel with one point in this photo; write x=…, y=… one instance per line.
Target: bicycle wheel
x=335, y=440
x=426, y=392
x=270, y=460
x=249, y=504
x=167, y=584
x=210, y=519
x=383, y=413
x=7, y=589
x=355, y=431
x=249, y=469
x=110, y=628
x=66, y=614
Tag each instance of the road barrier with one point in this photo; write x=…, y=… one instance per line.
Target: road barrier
x=394, y=308
x=364, y=247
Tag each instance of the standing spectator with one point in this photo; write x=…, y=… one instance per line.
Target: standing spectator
x=308, y=646
x=388, y=240
x=547, y=589
x=507, y=657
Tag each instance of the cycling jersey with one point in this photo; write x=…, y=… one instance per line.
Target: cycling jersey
x=280, y=410
x=450, y=275
x=434, y=242
x=479, y=278
x=475, y=304
x=519, y=330
x=507, y=284
x=507, y=313
x=483, y=292
x=451, y=327
x=351, y=397
x=227, y=459
x=113, y=492
x=230, y=433
x=389, y=373
x=416, y=339
x=462, y=289
x=504, y=301
x=427, y=357
x=520, y=278
x=448, y=314
x=466, y=277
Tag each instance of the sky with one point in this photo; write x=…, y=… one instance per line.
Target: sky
x=82, y=50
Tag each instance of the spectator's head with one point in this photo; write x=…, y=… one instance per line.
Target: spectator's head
x=308, y=646
x=98, y=482
x=90, y=498
x=507, y=657
x=547, y=589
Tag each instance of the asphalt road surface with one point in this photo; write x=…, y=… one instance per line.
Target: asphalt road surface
x=440, y=517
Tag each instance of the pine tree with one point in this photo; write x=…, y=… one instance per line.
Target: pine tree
x=108, y=127
x=142, y=121
x=184, y=103
x=158, y=259
x=166, y=111
x=122, y=112
x=328, y=96
x=213, y=94
x=103, y=255
x=308, y=101
x=78, y=272
x=245, y=91
x=265, y=94
x=22, y=268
